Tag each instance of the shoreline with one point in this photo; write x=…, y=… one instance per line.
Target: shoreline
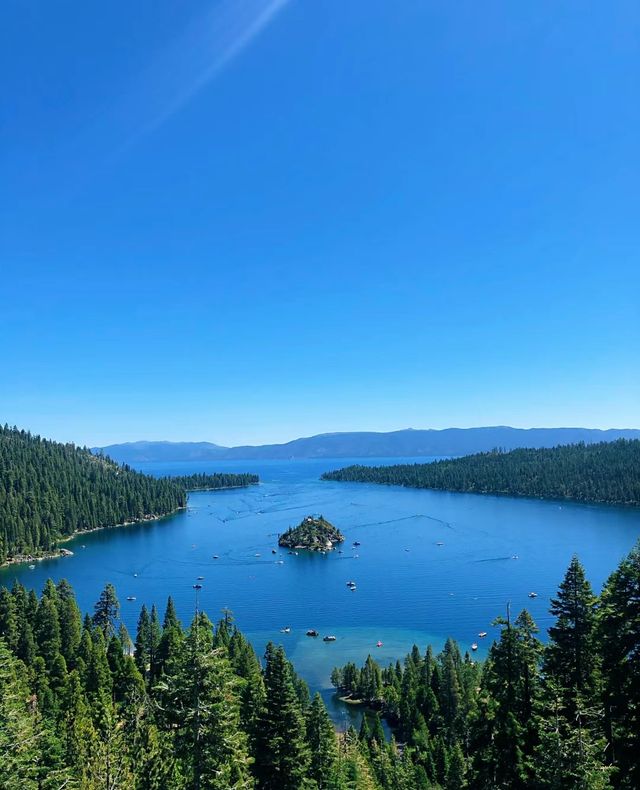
x=59, y=553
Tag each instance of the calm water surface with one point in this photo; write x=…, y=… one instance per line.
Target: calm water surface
x=409, y=588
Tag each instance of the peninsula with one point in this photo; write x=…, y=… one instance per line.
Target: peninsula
x=313, y=533
x=50, y=492
x=607, y=473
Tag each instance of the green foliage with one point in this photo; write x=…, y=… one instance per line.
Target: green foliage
x=314, y=533
x=203, y=482
x=194, y=709
x=603, y=472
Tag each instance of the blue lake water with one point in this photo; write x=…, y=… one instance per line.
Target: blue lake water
x=409, y=588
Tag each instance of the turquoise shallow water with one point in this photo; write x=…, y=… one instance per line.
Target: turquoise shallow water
x=409, y=588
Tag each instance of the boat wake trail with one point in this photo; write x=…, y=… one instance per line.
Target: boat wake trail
x=493, y=559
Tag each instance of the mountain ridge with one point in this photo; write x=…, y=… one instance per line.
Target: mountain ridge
x=407, y=442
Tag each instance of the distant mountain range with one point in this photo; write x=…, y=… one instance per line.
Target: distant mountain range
x=407, y=443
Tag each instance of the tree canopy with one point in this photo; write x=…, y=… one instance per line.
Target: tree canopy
x=607, y=472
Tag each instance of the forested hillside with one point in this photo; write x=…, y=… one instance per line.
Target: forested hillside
x=82, y=705
x=604, y=472
x=49, y=491
x=203, y=482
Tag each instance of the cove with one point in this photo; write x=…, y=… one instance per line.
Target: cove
x=409, y=588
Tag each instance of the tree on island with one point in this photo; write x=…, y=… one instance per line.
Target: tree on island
x=314, y=533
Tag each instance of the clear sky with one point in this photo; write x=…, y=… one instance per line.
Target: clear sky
x=250, y=220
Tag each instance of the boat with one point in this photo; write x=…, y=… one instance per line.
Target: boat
x=533, y=595
x=312, y=632
x=273, y=551
x=131, y=597
x=257, y=555
x=378, y=643
x=474, y=646
x=351, y=584
x=357, y=543
x=135, y=575
x=285, y=630
x=200, y=578
x=329, y=638
x=439, y=543
x=197, y=586
x=352, y=587
x=32, y=567
x=216, y=557
x=279, y=562
x=482, y=634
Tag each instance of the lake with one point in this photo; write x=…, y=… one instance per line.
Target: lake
x=495, y=550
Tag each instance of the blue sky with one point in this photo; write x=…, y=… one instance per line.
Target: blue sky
x=251, y=220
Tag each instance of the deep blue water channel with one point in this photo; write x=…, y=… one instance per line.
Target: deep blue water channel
x=409, y=588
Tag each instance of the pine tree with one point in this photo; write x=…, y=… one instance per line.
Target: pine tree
x=141, y=648
x=202, y=692
x=322, y=743
x=19, y=737
x=570, y=658
x=619, y=638
x=457, y=770
x=282, y=757
x=107, y=610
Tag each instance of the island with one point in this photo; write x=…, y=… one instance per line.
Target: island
x=314, y=533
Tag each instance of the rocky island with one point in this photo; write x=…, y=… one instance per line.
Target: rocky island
x=313, y=533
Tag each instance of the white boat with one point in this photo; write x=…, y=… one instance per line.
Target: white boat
x=474, y=646
x=482, y=634
x=329, y=639
x=285, y=630
x=131, y=597
x=32, y=567
x=533, y=595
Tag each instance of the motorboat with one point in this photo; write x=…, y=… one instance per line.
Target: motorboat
x=351, y=584
x=216, y=557
x=329, y=638
x=285, y=630
x=482, y=634
x=200, y=578
x=474, y=646
x=131, y=597
x=32, y=567
x=197, y=586
x=378, y=643
x=533, y=595
x=312, y=632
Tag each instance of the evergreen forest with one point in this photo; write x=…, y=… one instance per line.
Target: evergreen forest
x=83, y=705
x=49, y=491
x=606, y=472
